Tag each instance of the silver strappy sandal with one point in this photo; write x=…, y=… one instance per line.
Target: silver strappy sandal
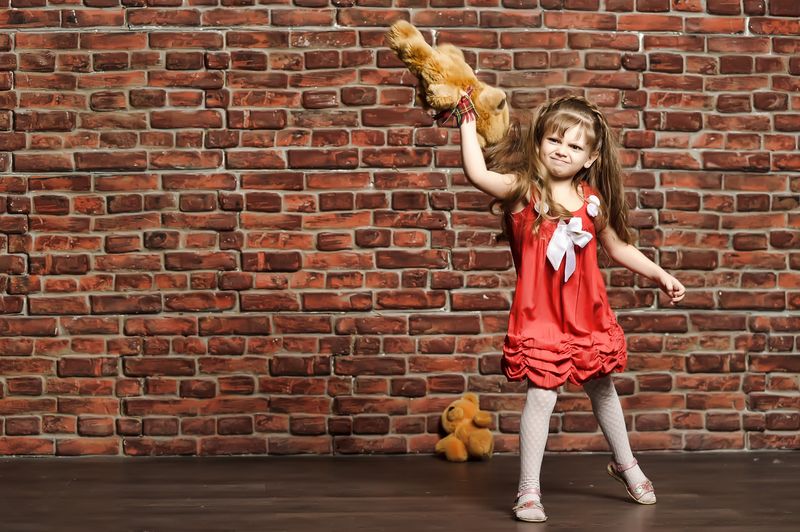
x=639, y=491
x=529, y=505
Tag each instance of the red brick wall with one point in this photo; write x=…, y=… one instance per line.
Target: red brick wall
x=228, y=228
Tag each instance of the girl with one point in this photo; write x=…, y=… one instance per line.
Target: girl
x=559, y=184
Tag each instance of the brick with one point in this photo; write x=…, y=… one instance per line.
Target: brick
x=672, y=82
x=86, y=446
x=773, y=26
x=723, y=422
x=687, y=420
x=47, y=41
x=621, y=80
x=699, y=442
x=724, y=7
x=652, y=422
x=602, y=61
x=733, y=104
x=768, y=363
x=783, y=8
x=660, y=323
x=782, y=421
x=585, y=40
x=774, y=441
x=650, y=23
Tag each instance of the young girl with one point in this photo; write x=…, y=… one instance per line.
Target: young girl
x=559, y=184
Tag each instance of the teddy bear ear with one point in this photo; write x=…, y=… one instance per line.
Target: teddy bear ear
x=454, y=413
x=471, y=397
x=494, y=99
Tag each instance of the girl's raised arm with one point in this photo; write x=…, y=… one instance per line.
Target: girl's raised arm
x=492, y=183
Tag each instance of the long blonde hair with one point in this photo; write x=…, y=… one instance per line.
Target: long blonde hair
x=518, y=153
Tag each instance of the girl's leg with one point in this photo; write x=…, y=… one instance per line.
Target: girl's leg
x=533, y=429
x=608, y=411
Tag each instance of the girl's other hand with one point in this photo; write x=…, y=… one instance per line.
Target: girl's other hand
x=672, y=287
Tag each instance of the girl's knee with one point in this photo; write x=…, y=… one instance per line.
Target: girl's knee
x=602, y=384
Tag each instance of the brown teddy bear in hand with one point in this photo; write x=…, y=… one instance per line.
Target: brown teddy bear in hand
x=444, y=75
x=467, y=436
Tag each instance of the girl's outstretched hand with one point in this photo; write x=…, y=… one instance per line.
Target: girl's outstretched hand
x=672, y=287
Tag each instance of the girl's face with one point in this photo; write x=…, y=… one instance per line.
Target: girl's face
x=564, y=156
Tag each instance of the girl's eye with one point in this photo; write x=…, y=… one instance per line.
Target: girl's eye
x=553, y=140
x=576, y=147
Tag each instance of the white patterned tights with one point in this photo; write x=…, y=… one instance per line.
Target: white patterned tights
x=535, y=424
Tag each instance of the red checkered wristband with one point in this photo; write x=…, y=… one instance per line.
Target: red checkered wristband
x=464, y=111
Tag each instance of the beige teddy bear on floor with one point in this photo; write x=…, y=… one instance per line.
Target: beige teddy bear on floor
x=468, y=435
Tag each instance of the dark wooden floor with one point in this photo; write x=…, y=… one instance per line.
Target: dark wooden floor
x=727, y=492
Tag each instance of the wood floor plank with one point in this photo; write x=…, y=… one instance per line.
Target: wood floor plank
x=716, y=492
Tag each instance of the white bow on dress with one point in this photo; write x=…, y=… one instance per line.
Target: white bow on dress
x=566, y=235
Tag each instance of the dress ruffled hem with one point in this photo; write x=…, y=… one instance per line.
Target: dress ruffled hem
x=574, y=359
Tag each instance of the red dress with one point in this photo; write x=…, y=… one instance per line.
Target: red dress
x=559, y=330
